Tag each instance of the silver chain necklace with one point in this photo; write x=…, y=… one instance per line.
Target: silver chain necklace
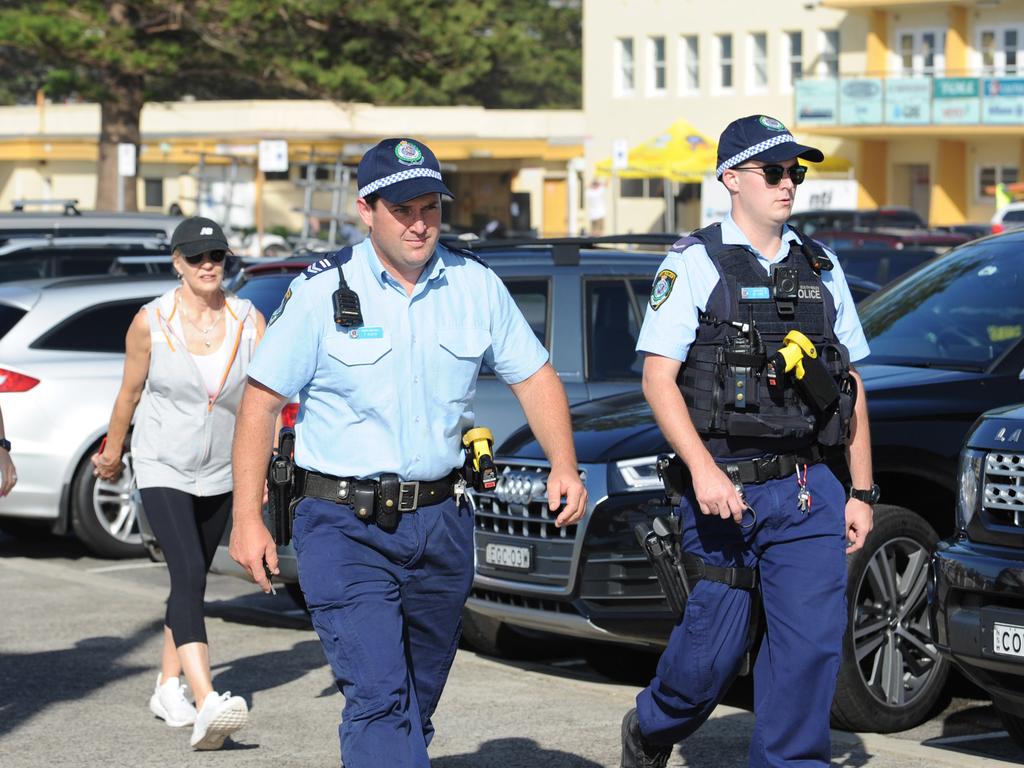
x=204, y=331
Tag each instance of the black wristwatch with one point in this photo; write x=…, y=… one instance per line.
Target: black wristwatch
x=869, y=496
x=5, y=444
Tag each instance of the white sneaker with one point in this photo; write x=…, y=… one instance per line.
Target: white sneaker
x=168, y=702
x=221, y=715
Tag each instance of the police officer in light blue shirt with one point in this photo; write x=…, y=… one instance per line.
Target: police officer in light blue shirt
x=383, y=343
x=764, y=521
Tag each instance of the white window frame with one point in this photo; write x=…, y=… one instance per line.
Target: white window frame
x=622, y=88
x=786, y=81
x=689, y=61
x=999, y=67
x=752, y=64
x=654, y=66
x=917, y=63
x=1000, y=176
x=721, y=61
x=827, y=57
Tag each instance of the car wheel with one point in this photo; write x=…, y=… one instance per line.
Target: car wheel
x=892, y=676
x=1014, y=726
x=482, y=633
x=104, y=514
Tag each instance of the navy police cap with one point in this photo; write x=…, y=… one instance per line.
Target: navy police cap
x=399, y=170
x=759, y=137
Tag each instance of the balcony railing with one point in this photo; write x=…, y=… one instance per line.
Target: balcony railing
x=921, y=100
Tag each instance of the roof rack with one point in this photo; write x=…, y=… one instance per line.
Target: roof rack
x=69, y=205
x=566, y=250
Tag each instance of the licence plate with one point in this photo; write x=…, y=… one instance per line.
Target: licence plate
x=506, y=556
x=1008, y=639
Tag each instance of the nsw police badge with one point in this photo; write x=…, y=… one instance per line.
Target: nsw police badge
x=662, y=287
x=408, y=153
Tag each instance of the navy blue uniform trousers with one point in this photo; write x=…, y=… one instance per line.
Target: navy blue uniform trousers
x=802, y=563
x=387, y=608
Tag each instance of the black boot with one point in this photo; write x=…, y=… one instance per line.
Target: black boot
x=636, y=753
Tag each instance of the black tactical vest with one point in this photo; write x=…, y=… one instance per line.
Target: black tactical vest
x=739, y=403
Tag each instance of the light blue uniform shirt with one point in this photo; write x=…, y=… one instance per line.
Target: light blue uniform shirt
x=670, y=329
x=395, y=394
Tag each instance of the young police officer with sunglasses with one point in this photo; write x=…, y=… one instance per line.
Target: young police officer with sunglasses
x=383, y=342
x=763, y=518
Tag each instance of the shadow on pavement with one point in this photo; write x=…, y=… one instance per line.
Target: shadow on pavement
x=38, y=543
x=31, y=682
x=514, y=753
x=263, y=671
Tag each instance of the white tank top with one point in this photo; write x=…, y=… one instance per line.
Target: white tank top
x=211, y=367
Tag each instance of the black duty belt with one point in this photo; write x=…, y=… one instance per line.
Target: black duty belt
x=765, y=468
x=412, y=494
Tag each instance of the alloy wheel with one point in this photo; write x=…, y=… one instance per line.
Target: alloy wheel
x=116, y=507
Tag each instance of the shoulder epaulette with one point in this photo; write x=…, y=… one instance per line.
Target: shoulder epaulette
x=328, y=262
x=683, y=243
x=468, y=254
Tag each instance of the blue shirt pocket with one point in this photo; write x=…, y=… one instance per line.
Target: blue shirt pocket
x=461, y=350
x=360, y=369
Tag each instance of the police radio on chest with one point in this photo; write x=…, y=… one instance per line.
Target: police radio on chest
x=347, y=312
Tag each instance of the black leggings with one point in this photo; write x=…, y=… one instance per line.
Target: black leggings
x=188, y=529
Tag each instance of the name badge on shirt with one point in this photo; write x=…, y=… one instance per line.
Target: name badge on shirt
x=755, y=293
x=374, y=332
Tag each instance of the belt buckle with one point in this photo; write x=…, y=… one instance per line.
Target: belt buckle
x=411, y=487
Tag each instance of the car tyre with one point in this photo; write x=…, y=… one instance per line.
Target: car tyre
x=1014, y=726
x=104, y=515
x=892, y=677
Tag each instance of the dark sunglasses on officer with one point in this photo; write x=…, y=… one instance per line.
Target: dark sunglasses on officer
x=773, y=173
x=215, y=256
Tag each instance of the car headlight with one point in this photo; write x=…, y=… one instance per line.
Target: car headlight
x=970, y=481
x=639, y=474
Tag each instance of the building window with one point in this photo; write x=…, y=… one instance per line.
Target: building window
x=988, y=52
x=906, y=54
x=989, y=176
x=153, y=193
x=830, y=52
x=641, y=187
x=793, y=59
x=656, y=66
x=1000, y=51
x=624, y=74
x=689, y=58
x=921, y=52
x=757, y=75
x=724, y=62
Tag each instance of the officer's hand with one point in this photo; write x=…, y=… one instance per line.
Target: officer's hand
x=251, y=545
x=10, y=477
x=716, y=495
x=566, y=482
x=859, y=517
x=107, y=465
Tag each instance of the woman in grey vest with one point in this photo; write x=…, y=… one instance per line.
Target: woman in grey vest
x=186, y=358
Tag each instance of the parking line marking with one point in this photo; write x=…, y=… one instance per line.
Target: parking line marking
x=125, y=567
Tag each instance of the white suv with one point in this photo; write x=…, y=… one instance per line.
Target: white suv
x=1010, y=216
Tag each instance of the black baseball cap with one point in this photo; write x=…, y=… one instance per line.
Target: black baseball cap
x=198, y=234
x=759, y=137
x=399, y=170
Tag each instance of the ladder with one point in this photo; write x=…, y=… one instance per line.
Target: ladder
x=206, y=175
x=338, y=186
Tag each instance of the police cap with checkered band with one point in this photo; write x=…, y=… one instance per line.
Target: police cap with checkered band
x=399, y=170
x=763, y=138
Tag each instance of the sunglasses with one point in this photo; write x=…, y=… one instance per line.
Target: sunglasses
x=215, y=256
x=773, y=173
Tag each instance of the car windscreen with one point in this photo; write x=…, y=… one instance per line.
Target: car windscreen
x=901, y=219
x=882, y=265
x=75, y=261
x=266, y=291
x=9, y=317
x=1014, y=216
x=960, y=311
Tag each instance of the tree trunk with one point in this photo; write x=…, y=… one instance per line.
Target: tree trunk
x=120, y=115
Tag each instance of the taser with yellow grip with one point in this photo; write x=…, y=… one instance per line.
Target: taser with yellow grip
x=478, y=442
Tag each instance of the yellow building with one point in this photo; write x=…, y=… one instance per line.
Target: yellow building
x=515, y=166
x=920, y=95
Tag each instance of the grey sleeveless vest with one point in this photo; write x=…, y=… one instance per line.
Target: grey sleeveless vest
x=182, y=436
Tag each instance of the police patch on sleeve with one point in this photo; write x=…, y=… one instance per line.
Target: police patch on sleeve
x=280, y=308
x=662, y=287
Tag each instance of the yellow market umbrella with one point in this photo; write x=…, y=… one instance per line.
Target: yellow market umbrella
x=680, y=153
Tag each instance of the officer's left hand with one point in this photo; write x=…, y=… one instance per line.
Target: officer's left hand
x=859, y=516
x=565, y=481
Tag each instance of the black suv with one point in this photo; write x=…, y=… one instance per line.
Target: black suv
x=976, y=590
x=947, y=344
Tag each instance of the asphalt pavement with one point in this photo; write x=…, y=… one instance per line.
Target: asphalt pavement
x=80, y=640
